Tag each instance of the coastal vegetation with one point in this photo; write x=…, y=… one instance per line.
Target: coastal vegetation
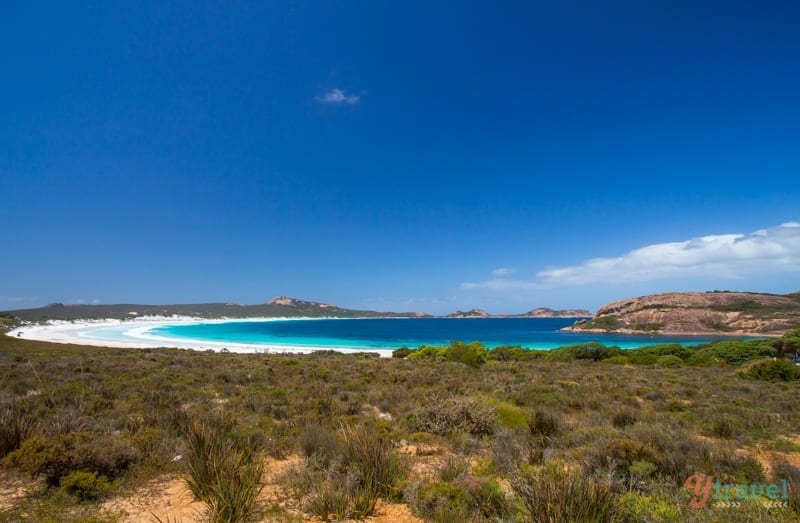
x=455, y=433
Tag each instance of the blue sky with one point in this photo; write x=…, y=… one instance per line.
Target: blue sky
x=416, y=156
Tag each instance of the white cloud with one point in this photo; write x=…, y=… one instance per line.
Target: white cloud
x=772, y=250
x=337, y=97
x=503, y=271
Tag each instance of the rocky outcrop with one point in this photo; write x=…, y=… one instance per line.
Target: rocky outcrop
x=293, y=302
x=735, y=313
x=472, y=313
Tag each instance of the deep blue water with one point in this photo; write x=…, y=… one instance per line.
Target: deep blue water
x=540, y=333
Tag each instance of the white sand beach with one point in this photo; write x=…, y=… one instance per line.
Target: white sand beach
x=136, y=334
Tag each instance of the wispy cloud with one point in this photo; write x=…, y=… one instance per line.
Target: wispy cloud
x=337, y=97
x=772, y=250
x=503, y=271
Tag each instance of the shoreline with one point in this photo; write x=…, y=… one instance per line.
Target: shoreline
x=729, y=334
x=136, y=333
x=133, y=334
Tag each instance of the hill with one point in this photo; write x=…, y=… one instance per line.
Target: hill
x=716, y=312
x=279, y=307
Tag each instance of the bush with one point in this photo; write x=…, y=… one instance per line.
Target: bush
x=223, y=472
x=734, y=352
x=455, y=415
x=552, y=494
x=429, y=353
x=466, y=498
x=84, y=485
x=348, y=483
x=513, y=353
x=669, y=361
x=544, y=424
x=470, y=354
x=624, y=417
x=317, y=441
x=57, y=456
x=442, y=502
x=402, y=352
x=15, y=427
x=591, y=351
x=773, y=370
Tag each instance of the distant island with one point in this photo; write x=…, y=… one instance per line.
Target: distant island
x=702, y=313
x=539, y=312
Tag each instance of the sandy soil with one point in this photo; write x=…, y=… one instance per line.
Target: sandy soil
x=168, y=499
x=13, y=489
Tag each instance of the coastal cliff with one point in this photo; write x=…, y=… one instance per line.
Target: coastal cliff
x=731, y=313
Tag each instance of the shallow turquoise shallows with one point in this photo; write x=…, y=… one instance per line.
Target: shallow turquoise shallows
x=535, y=333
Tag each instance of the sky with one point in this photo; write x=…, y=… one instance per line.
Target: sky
x=411, y=155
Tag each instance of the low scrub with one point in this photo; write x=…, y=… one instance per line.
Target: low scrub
x=464, y=498
x=467, y=415
x=56, y=457
x=551, y=494
x=15, y=427
x=345, y=478
x=773, y=370
x=223, y=471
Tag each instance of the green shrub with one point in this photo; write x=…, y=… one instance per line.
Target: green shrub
x=402, y=352
x=773, y=370
x=617, y=360
x=510, y=416
x=591, y=351
x=466, y=498
x=57, y=456
x=84, y=485
x=428, y=352
x=651, y=355
x=441, y=502
x=669, y=361
x=734, y=352
x=513, y=353
x=553, y=495
x=636, y=508
x=470, y=354
x=609, y=322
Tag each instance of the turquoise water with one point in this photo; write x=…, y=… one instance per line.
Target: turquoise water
x=538, y=333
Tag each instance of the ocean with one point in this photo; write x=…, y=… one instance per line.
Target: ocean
x=387, y=334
